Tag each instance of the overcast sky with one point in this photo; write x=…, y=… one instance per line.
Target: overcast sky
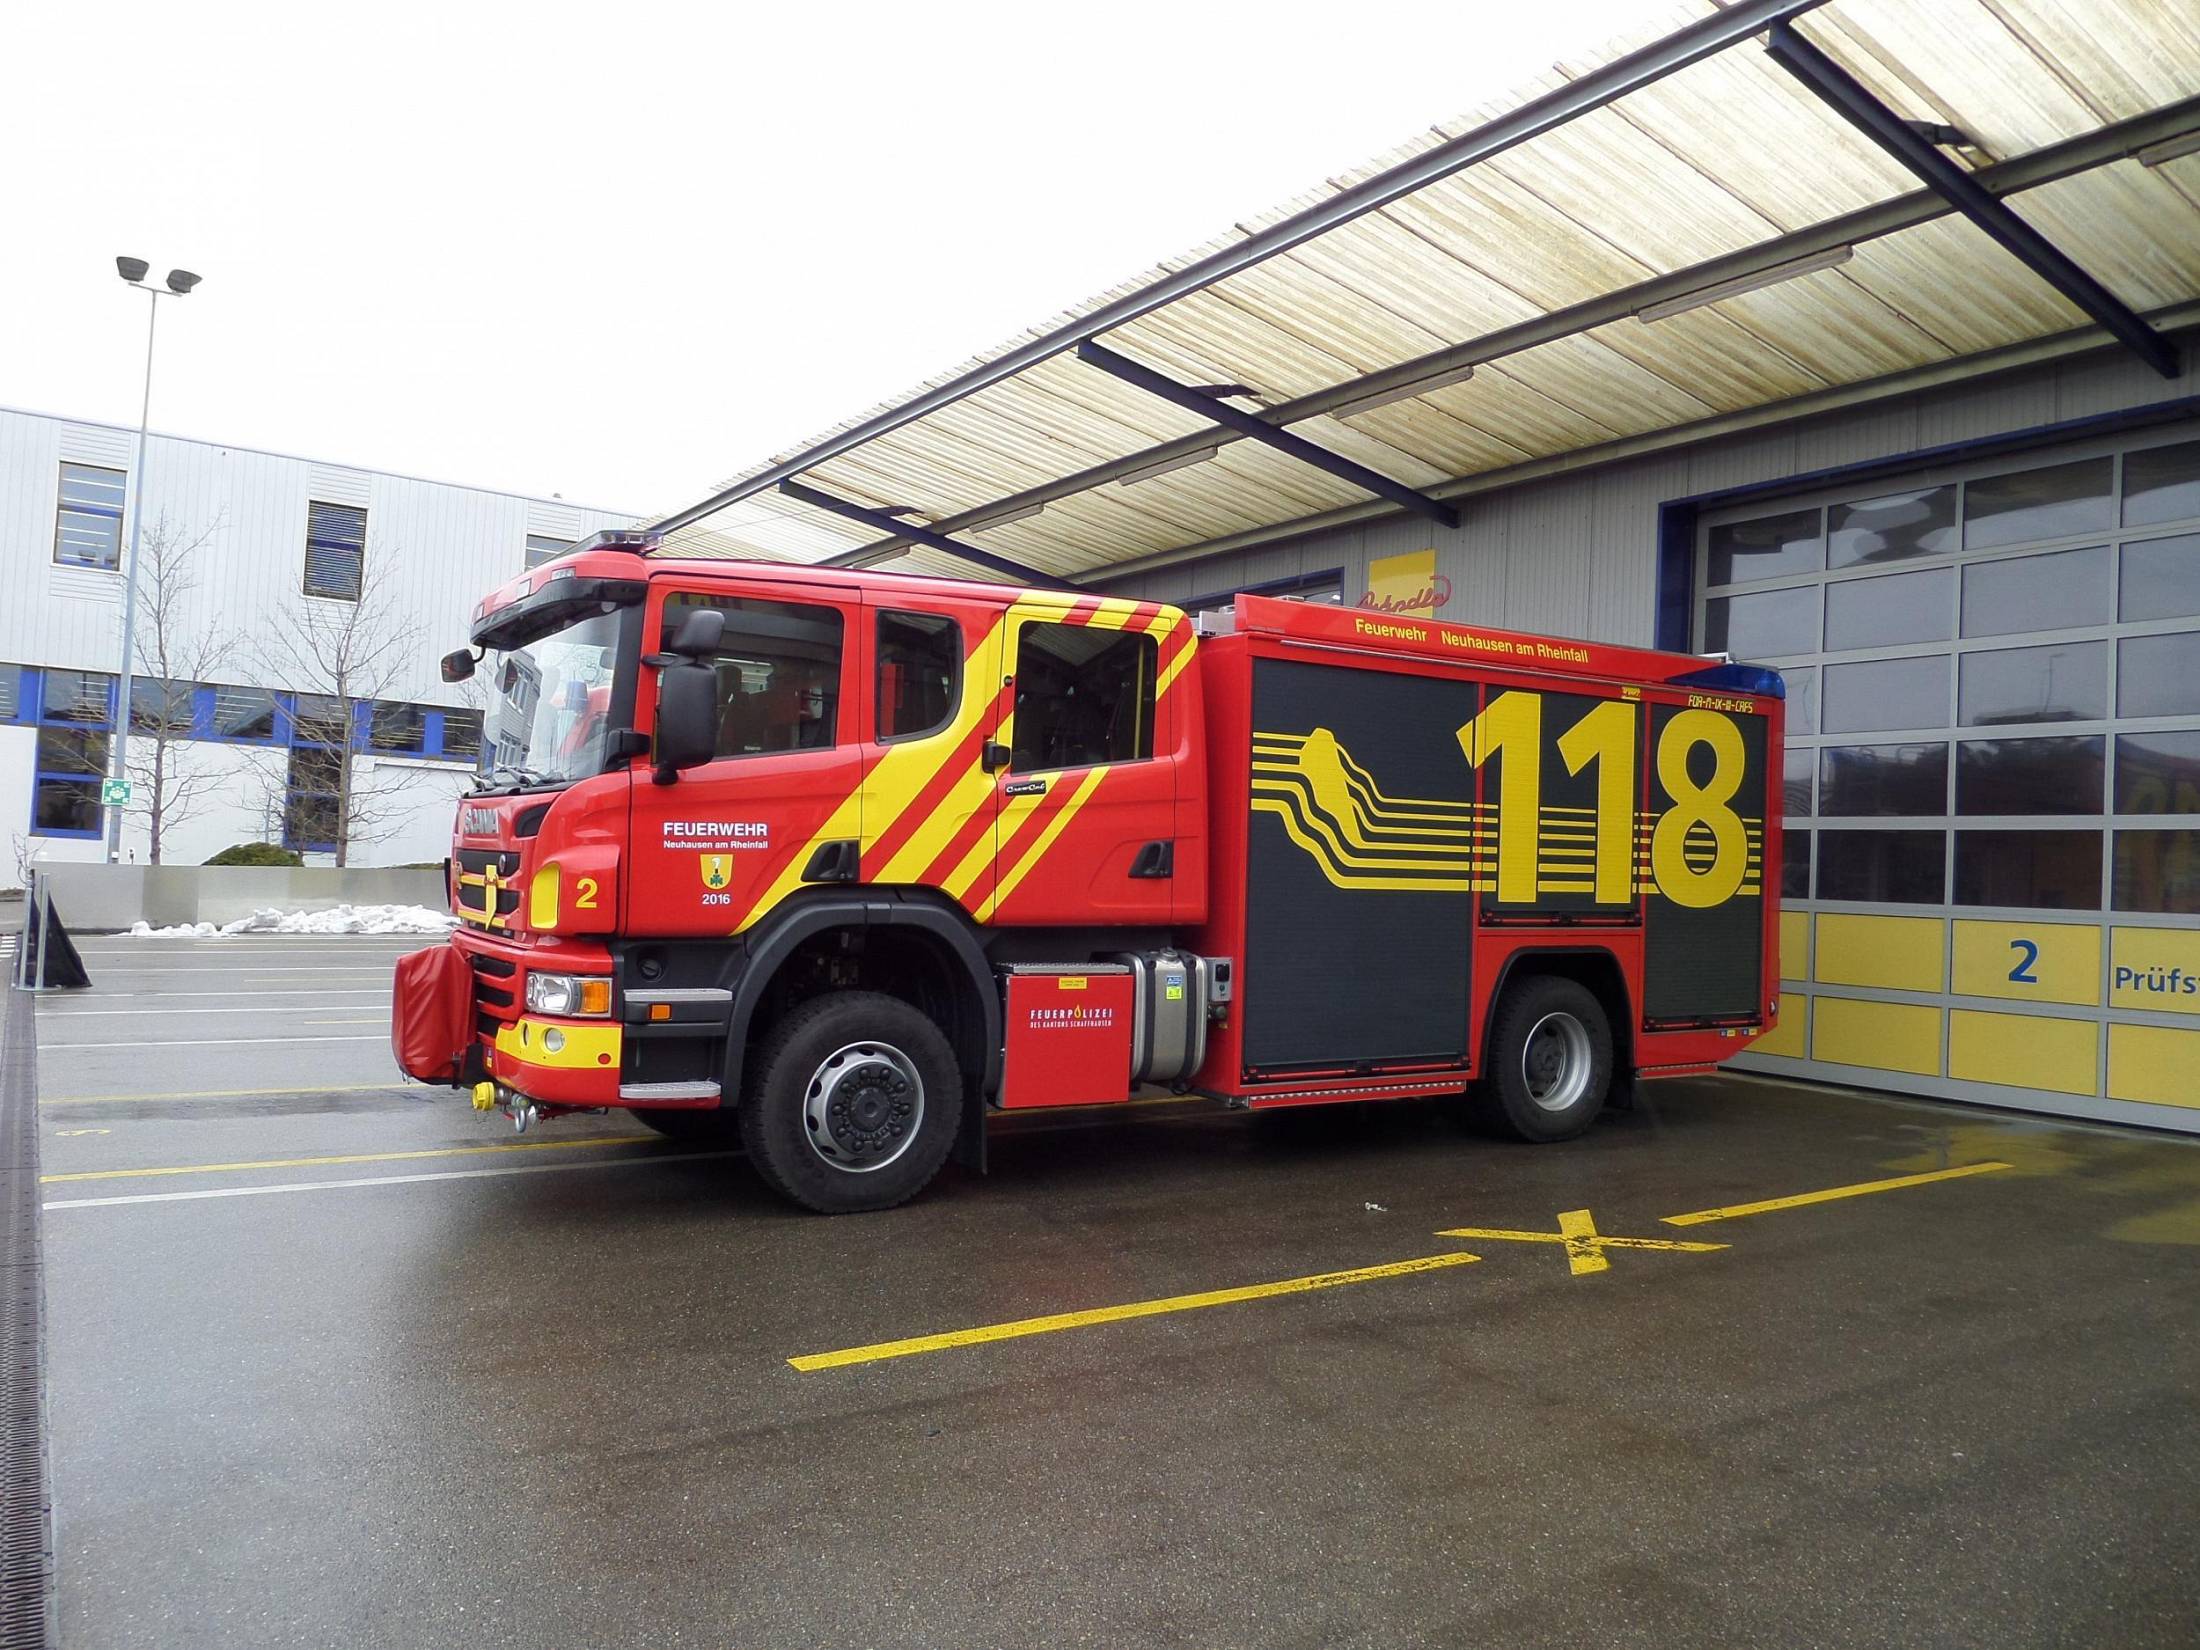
x=619, y=252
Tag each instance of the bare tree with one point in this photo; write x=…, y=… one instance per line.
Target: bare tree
x=174, y=652
x=340, y=656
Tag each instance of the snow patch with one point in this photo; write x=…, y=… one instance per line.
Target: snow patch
x=341, y=919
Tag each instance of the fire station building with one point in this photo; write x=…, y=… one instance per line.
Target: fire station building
x=1857, y=345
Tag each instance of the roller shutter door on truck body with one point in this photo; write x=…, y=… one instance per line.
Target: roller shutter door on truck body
x=1371, y=843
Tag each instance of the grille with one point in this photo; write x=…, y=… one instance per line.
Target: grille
x=475, y=864
x=26, y=1513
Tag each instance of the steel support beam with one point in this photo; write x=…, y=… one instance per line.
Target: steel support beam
x=1698, y=40
x=1257, y=428
x=2070, y=158
x=884, y=523
x=1847, y=97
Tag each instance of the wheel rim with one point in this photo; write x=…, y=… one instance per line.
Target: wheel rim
x=1555, y=1062
x=863, y=1107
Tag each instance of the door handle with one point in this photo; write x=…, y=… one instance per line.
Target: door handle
x=994, y=756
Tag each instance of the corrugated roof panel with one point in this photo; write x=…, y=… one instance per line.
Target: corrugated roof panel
x=1961, y=287
x=1835, y=327
x=2119, y=60
x=1743, y=120
x=2139, y=230
x=1951, y=61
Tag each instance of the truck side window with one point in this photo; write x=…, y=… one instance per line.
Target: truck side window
x=919, y=669
x=1083, y=696
x=778, y=670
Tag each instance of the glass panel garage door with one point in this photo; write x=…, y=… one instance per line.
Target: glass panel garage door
x=1992, y=787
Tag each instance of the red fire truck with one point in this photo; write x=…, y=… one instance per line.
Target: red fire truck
x=843, y=861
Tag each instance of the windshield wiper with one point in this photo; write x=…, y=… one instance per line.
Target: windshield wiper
x=523, y=776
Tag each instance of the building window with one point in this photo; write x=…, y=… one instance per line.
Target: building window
x=87, y=528
x=71, y=753
x=85, y=696
x=919, y=663
x=462, y=734
x=541, y=549
x=319, y=719
x=310, y=801
x=336, y=550
x=399, y=729
x=163, y=708
x=244, y=715
x=1083, y=697
x=69, y=765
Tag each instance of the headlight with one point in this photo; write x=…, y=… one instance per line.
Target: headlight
x=568, y=994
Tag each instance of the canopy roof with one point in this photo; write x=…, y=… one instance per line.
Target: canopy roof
x=1771, y=204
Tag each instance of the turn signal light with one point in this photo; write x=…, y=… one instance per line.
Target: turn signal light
x=595, y=996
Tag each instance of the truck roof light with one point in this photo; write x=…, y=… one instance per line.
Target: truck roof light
x=1761, y=680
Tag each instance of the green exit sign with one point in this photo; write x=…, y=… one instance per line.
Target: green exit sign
x=114, y=793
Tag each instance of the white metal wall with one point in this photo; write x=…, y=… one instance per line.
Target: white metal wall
x=444, y=545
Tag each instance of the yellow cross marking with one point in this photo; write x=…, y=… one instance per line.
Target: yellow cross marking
x=1585, y=1245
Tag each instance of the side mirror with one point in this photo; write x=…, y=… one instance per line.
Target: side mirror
x=699, y=633
x=687, y=714
x=457, y=666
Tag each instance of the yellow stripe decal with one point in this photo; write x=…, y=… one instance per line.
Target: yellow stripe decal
x=1005, y=886
x=1734, y=1211
x=1116, y=1314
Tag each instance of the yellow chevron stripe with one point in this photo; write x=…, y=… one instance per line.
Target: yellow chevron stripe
x=1006, y=886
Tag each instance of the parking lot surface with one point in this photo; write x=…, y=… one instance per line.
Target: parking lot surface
x=336, y=1361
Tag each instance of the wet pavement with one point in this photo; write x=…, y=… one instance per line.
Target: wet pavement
x=371, y=1371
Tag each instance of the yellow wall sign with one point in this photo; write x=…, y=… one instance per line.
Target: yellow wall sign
x=2157, y=968
x=1407, y=583
x=2038, y=962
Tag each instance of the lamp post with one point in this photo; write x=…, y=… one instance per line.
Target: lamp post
x=180, y=283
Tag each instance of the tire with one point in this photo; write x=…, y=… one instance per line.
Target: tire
x=853, y=1103
x=681, y=1123
x=1550, y=1060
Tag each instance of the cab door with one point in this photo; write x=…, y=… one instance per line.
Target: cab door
x=1083, y=768
x=720, y=847
x=934, y=701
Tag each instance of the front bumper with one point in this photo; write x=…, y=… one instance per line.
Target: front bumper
x=562, y=1062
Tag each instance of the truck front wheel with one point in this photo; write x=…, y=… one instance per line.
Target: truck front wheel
x=1550, y=1060
x=852, y=1103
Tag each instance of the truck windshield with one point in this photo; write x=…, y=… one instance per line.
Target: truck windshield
x=549, y=704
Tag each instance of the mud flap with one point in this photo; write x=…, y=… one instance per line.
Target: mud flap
x=969, y=1149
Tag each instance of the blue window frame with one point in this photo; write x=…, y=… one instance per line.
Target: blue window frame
x=87, y=525
x=336, y=550
x=75, y=713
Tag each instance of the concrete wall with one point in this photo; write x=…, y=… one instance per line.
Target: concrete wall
x=1576, y=554
x=108, y=898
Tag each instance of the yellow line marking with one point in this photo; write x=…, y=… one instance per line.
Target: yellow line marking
x=1116, y=1314
x=349, y=1157
x=1734, y=1211
x=227, y=1094
x=1585, y=1245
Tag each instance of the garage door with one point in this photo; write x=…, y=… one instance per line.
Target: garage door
x=1993, y=773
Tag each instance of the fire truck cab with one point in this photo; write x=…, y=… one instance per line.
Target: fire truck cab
x=843, y=861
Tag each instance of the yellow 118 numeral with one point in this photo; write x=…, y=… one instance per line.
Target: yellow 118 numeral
x=1513, y=723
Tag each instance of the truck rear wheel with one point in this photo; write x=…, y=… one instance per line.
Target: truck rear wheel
x=853, y=1103
x=1550, y=1060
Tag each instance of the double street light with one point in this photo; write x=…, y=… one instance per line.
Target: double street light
x=180, y=283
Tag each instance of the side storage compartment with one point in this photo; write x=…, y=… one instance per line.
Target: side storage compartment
x=1066, y=1034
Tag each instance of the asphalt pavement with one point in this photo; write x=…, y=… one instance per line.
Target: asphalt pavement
x=336, y=1361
